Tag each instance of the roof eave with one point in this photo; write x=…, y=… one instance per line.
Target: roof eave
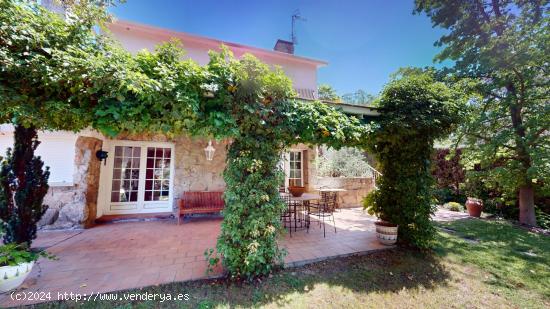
x=213, y=43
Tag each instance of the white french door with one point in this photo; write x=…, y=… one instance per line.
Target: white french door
x=293, y=162
x=137, y=178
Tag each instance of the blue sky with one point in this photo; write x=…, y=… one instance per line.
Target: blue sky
x=363, y=41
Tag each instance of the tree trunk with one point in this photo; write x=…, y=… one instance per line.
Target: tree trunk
x=526, y=193
x=527, y=205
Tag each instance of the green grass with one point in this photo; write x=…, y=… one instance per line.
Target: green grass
x=479, y=264
x=516, y=263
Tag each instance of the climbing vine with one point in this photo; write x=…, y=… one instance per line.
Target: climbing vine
x=260, y=109
x=415, y=110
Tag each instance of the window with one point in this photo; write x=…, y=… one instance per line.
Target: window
x=125, y=185
x=56, y=149
x=295, y=171
x=157, y=176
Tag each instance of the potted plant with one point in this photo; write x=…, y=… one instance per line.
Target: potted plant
x=474, y=190
x=295, y=189
x=16, y=264
x=474, y=206
x=386, y=232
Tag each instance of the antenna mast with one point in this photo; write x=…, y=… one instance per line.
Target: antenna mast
x=295, y=16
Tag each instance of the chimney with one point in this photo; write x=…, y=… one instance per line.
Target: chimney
x=284, y=46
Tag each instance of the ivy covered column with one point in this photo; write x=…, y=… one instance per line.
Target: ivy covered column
x=248, y=107
x=415, y=111
x=248, y=240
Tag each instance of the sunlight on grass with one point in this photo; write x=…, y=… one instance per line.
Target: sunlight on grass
x=517, y=262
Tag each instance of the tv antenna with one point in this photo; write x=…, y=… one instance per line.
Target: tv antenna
x=295, y=16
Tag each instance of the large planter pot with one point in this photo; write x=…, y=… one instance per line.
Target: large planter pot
x=296, y=191
x=474, y=206
x=386, y=232
x=12, y=276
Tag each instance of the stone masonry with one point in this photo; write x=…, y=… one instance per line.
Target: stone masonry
x=356, y=189
x=75, y=206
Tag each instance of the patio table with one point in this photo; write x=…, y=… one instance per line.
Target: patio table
x=303, y=201
x=305, y=197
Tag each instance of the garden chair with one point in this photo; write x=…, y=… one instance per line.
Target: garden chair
x=324, y=208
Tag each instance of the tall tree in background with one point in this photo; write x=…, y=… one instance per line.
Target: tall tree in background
x=359, y=97
x=505, y=46
x=326, y=92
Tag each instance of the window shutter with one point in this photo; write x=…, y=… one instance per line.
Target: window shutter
x=305, y=162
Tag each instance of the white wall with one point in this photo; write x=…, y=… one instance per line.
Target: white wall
x=57, y=150
x=303, y=75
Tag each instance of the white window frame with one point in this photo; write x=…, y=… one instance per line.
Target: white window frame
x=287, y=166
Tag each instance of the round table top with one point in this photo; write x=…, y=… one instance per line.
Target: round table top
x=305, y=197
x=331, y=190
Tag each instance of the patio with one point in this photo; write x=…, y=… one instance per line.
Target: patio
x=125, y=255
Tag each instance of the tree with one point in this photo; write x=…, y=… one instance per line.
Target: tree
x=46, y=82
x=415, y=110
x=261, y=119
x=360, y=97
x=504, y=45
x=23, y=185
x=50, y=67
x=326, y=92
x=449, y=175
x=346, y=162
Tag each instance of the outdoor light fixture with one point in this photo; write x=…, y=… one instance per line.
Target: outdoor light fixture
x=209, y=151
x=102, y=156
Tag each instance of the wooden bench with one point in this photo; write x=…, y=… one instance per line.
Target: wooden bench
x=199, y=202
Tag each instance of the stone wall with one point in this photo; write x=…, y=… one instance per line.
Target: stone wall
x=356, y=189
x=75, y=206
x=192, y=171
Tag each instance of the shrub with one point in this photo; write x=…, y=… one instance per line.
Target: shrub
x=23, y=185
x=543, y=219
x=447, y=170
x=444, y=195
x=453, y=206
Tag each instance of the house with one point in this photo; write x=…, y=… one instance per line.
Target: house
x=144, y=174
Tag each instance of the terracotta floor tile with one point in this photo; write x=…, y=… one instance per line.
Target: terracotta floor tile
x=128, y=255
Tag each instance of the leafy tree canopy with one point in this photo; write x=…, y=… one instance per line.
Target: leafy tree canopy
x=326, y=92
x=503, y=47
x=359, y=97
x=48, y=66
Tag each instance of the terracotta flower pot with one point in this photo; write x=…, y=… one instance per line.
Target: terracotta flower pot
x=386, y=232
x=296, y=191
x=474, y=207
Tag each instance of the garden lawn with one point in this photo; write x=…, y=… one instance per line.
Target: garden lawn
x=487, y=264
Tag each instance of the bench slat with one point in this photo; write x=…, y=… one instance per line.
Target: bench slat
x=199, y=202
